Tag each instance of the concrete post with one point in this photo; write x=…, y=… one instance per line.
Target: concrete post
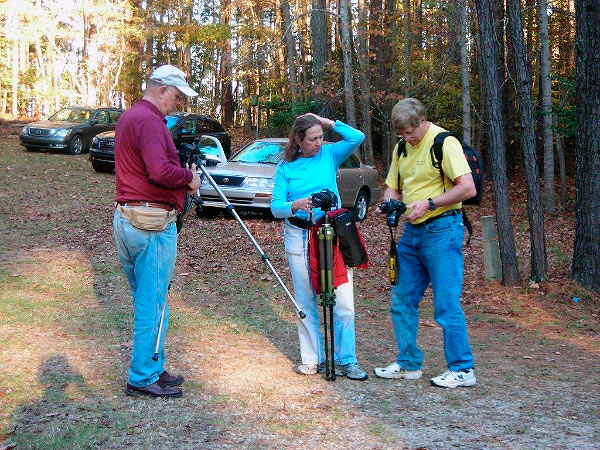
x=491, y=249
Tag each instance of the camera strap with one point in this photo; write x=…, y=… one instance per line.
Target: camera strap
x=393, y=259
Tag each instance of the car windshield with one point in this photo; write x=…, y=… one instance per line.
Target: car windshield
x=261, y=152
x=171, y=121
x=71, y=115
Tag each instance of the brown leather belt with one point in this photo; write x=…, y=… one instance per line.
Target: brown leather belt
x=164, y=206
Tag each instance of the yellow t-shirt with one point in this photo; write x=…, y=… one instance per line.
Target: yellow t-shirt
x=419, y=180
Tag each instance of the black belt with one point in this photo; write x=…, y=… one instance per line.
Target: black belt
x=300, y=223
x=452, y=212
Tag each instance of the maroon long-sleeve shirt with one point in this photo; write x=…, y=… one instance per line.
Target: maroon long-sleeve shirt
x=146, y=162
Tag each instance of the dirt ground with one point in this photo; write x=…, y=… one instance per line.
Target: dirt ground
x=65, y=338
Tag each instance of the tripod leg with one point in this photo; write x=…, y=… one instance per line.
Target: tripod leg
x=331, y=351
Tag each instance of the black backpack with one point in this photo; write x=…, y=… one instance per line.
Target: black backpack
x=472, y=157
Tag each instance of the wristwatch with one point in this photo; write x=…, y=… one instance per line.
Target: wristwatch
x=431, y=204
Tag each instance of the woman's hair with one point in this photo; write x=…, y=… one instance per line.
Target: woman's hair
x=301, y=124
x=408, y=112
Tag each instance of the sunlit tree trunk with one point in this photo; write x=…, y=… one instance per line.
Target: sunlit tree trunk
x=288, y=29
x=318, y=26
x=489, y=73
x=407, y=49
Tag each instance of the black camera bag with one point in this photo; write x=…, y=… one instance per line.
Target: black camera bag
x=349, y=240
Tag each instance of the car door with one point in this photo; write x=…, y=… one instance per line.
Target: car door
x=349, y=179
x=99, y=123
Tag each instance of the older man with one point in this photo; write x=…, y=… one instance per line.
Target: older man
x=151, y=187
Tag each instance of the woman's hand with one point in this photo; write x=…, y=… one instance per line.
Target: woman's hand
x=322, y=120
x=305, y=204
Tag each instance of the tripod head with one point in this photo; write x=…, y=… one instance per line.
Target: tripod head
x=195, y=154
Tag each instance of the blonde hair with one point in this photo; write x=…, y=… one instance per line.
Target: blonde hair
x=408, y=112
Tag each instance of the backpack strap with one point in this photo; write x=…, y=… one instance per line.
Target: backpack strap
x=401, y=150
x=437, y=155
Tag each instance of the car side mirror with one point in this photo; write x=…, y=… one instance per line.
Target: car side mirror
x=212, y=160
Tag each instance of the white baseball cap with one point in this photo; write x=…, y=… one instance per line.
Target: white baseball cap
x=171, y=76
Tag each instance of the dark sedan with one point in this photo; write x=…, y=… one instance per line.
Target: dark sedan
x=184, y=127
x=70, y=129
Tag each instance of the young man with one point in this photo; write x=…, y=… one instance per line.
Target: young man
x=150, y=179
x=430, y=249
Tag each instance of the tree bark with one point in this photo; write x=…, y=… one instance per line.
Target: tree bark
x=407, y=49
x=489, y=73
x=463, y=36
x=227, y=106
x=586, y=253
x=291, y=51
x=364, y=80
x=546, y=100
x=347, y=58
x=539, y=266
x=318, y=25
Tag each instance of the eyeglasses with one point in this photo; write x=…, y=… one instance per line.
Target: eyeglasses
x=178, y=95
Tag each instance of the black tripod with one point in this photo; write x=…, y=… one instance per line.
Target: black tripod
x=325, y=235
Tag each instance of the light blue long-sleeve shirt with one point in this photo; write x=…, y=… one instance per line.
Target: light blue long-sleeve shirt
x=305, y=176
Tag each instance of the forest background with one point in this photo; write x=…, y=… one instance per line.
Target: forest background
x=516, y=79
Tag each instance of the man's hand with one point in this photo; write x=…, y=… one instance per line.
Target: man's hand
x=419, y=209
x=194, y=185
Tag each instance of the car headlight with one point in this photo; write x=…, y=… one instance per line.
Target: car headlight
x=259, y=183
x=24, y=130
x=94, y=141
x=61, y=132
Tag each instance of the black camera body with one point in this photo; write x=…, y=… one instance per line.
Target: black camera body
x=325, y=199
x=394, y=209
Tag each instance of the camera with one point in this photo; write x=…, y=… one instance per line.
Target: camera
x=394, y=209
x=325, y=199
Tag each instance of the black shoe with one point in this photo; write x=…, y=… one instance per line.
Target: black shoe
x=154, y=390
x=170, y=380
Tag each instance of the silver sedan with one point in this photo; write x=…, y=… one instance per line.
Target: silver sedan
x=247, y=179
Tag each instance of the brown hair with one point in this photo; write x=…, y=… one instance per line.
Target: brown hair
x=301, y=124
x=408, y=112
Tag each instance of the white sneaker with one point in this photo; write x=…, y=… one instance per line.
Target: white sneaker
x=451, y=379
x=394, y=370
x=310, y=369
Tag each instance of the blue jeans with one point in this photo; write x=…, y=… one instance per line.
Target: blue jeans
x=148, y=259
x=431, y=253
x=309, y=331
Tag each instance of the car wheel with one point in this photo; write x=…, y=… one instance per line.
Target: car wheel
x=361, y=205
x=76, y=145
x=102, y=168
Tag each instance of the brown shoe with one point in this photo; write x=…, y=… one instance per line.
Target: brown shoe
x=156, y=389
x=170, y=380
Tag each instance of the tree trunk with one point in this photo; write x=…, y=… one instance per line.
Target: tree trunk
x=489, y=73
x=291, y=51
x=407, y=50
x=14, y=110
x=539, y=267
x=364, y=80
x=347, y=57
x=546, y=100
x=560, y=153
x=227, y=107
x=318, y=25
x=586, y=253
x=463, y=36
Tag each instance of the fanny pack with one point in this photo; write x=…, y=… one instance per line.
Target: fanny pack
x=148, y=218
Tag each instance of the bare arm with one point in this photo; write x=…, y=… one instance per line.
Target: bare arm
x=463, y=188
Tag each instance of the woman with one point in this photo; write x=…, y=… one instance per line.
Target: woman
x=306, y=168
